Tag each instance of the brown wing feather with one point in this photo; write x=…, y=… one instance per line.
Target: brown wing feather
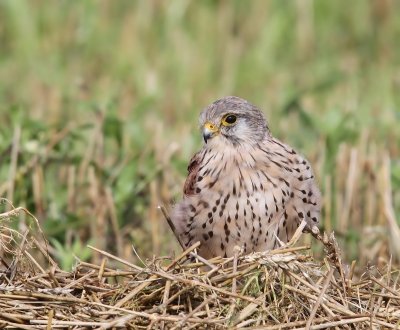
x=193, y=170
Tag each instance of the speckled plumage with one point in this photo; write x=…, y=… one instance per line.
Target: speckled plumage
x=244, y=187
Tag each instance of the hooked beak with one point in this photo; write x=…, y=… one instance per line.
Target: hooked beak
x=209, y=131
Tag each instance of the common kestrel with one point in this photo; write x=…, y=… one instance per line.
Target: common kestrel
x=244, y=188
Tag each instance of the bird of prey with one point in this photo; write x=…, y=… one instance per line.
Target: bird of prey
x=244, y=187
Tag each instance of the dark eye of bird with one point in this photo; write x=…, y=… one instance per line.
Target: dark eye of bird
x=230, y=119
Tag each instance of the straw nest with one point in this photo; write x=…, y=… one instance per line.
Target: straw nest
x=280, y=289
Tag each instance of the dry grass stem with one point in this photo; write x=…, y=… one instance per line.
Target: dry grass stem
x=280, y=289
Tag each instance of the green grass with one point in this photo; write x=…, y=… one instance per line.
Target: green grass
x=127, y=80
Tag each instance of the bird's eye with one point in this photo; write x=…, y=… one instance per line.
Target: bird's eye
x=229, y=120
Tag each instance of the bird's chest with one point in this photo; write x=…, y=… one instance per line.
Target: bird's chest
x=238, y=203
x=241, y=177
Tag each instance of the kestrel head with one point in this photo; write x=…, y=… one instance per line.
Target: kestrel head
x=233, y=120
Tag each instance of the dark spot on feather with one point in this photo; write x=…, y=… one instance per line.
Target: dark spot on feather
x=227, y=198
x=211, y=184
x=204, y=204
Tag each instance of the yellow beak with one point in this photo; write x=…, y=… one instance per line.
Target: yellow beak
x=209, y=131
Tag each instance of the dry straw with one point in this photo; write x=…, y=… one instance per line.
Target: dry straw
x=280, y=289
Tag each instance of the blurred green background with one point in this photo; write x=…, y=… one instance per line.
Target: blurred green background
x=99, y=103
